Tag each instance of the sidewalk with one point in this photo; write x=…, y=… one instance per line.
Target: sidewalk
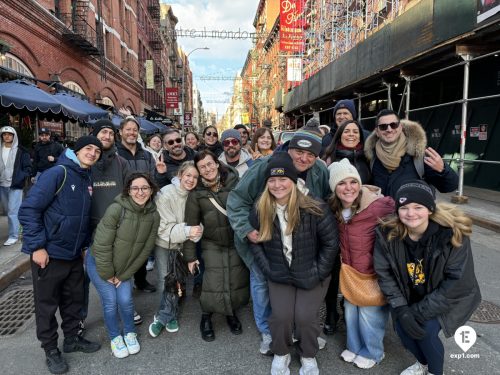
x=483, y=208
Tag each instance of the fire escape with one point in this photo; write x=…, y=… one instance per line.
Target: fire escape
x=156, y=44
x=81, y=35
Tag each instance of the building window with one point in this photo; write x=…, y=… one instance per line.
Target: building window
x=109, y=46
x=11, y=62
x=74, y=87
x=107, y=102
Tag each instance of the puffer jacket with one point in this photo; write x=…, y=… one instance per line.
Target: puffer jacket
x=314, y=248
x=59, y=223
x=452, y=291
x=251, y=186
x=124, y=238
x=171, y=203
x=357, y=236
x=226, y=279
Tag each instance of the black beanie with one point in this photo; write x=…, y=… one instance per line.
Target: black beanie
x=280, y=164
x=86, y=140
x=102, y=124
x=416, y=191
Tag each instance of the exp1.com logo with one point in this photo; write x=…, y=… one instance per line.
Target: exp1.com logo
x=465, y=337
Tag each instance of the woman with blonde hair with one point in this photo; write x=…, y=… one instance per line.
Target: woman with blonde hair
x=423, y=260
x=358, y=208
x=263, y=143
x=296, y=248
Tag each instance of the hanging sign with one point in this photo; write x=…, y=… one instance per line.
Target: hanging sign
x=172, y=97
x=294, y=69
x=291, y=26
x=150, y=82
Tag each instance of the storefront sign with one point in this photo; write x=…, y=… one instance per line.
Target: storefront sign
x=291, y=26
x=188, y=119
x=150, y=82
x=172, y=98
x=54, y=127
x=294, y=69
x=178, y=110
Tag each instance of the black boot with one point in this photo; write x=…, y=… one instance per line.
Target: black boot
x=331, y=320
x=79, y=344
x=234, y=324
x=206, y=328
x=55, y=362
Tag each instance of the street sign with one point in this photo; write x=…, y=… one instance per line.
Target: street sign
x=172, y=97
x=188, y=119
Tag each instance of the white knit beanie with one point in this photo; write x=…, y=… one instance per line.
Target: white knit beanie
x=340, y=171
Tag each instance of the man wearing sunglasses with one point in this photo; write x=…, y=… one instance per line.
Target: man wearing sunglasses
x=175, y=153
x=234, y=155
x=398, y=152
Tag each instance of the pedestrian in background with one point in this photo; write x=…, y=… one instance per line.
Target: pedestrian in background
x=225, y=282
x=56, y=228
x=297, y=245
x=344, y=110
x=15, y=170
x=423, y=259
x=357, y=209
x=172, y=233
x=45, y=153
x=211, y=141
x=123, y=241
x=263, y=143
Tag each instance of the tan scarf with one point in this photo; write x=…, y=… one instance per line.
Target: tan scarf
x=390, y=154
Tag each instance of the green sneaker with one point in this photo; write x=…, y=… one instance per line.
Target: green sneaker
x=155, y=327
x=172, y=326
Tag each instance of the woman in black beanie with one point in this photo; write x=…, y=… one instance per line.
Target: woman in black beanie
x=297, y=246
x=424, y=264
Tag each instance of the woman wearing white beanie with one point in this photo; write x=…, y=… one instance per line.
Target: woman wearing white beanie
x=358, y=209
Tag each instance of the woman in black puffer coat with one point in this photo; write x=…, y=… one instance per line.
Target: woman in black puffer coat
x=297, y=246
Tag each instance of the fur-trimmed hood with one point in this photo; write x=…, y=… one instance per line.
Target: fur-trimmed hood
x=415, y=135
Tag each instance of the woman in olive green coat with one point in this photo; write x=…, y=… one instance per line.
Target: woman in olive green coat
x=226, y=278
x=124, y=239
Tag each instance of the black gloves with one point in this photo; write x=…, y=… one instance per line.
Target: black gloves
x=410, y=322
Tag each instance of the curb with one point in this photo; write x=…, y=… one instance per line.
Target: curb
x=14, y=268
x=485, y=223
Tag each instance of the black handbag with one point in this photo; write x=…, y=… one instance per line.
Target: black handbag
x=177, y=276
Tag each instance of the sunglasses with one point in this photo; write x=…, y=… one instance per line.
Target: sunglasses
x=170, y=142
x=229, y=142
x=384, y=127
x=211, y=134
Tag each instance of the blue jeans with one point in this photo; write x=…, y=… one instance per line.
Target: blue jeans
x=169, y=302
x=11, y=201
x=114, y=301
x=428, y=351
x=366, y=329
x=260, y=299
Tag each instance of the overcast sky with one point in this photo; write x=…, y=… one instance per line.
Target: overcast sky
x=225, y=57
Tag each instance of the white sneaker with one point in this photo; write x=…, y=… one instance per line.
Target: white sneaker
x=10, y=241
x=132, y=343
x=265, y=344
x=280, y=365
x=364, y=363
x=348, y=356
x=309, y=366
x=118, y=347
x=416, y=369
x=150, y=265
x=321, y=342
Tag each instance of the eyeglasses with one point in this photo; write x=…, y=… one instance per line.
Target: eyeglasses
x=211, y=134
x=170, y=142
x=143, y=189
x=393, y=125
x=229, y=142
x=209, y=165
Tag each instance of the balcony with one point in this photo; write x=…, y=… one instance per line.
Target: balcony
x=154, y=11
x=155, y=42
x=80, y=34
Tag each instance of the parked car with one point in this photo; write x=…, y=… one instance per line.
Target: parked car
x=283, y=137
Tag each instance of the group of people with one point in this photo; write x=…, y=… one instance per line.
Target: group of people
x=350, y=211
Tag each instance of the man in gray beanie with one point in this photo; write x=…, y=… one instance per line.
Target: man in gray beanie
x=234, y=155
x=344, y=110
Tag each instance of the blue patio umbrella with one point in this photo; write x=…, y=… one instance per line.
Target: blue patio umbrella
x=162, y=127
x=81, y=109
x=25, y=96
x=147, y=126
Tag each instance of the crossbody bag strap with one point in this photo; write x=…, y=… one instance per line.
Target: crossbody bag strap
x=221, y=209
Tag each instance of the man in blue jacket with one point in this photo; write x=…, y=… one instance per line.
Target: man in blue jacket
x=15, y=168
x=56, y=228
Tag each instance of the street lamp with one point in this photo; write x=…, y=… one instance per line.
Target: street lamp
x=184, y=84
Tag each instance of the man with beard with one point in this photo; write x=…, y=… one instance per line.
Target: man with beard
x=234, y=155
x=46, y=152
x=245, y=136
x=175, y=153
